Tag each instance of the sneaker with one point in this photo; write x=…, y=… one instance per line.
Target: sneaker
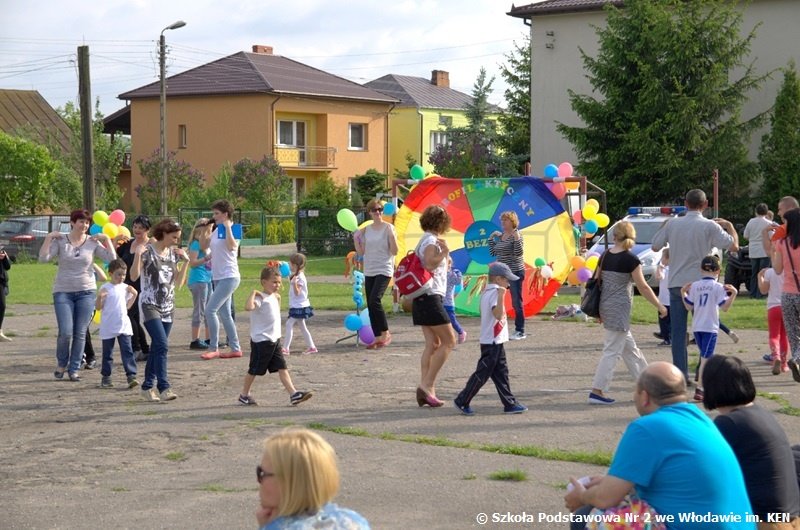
x=299, y=397
x=698, y=394
x=598, y=399
x=517, y=408
x=285, y=351
x=140, y=356
x=310, y=350
x=665, y=343
x=168, y=395
x=3, y=338
x=150, y=395
x=91, y=365
x=658, y=335
x=74, y=377
x=794, y=366
x=132, y=382
x=518, y=335
x=58, y=374
x=247, y=400
x=776, y=367
x=198, y=345
x=466, y=410
x=106, y=383
x=767, y=358
x=210, y=355
x=734, y=337
x=231, y=354
x=462, y=337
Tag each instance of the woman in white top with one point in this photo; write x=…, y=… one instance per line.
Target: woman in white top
x=378, y=245
x=75, y=288
x=428, y=310
x=226, y=278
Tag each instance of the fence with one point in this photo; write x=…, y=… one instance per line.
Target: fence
x=319, y=233
x=258, y=227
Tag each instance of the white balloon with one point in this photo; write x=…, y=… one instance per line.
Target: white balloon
x=546, y=271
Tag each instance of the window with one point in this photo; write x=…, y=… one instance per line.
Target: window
x=358, y=136
x=438, y=138
x=445, y=121
x=182, y=136
x=293, y=134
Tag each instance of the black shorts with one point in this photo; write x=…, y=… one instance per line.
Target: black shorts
x=428, y=310
x=266, y=356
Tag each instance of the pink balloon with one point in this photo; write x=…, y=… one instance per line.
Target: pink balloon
x=117, y=217
x=366, y=335
x=565, y=169
x=577, y=216
x=584, y=274
x=559, y=190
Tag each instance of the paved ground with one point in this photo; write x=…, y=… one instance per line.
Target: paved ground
x=75, y=456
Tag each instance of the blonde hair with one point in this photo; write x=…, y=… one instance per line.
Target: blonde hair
x=198, y=229
x=305, y=468
x=511, y=216
x=625, y=234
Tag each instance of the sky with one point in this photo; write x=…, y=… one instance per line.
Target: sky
x=359, y=40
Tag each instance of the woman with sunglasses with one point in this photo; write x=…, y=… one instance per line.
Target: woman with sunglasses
x=297, y=480
x=127, y=251
x=75, y=288
x=378, y=245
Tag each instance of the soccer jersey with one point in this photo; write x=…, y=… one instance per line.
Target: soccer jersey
x=493, y=331
x=706, y=296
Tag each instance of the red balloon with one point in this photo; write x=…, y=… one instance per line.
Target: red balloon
x=559, y=190
x=577, y=216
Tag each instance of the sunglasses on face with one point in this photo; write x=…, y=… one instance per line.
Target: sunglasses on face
x=377, y=210
x=261, y=474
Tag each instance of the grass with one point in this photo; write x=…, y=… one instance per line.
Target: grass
x=176, y=456
x=119, y=489
x=219, y=488
x=512, y=475
x=786, y=408
x=31, y=283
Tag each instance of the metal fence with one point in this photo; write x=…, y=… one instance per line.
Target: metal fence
x=258, y=227
x=319, y=233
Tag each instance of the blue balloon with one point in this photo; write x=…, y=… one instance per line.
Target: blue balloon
x=352, y=322
x=95, y=229
x=358, y=275
x=284, y=269
x=365, y=317
x=551, y=171
x=389, y=208
x=358, y=299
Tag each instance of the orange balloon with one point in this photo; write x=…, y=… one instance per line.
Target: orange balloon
x=572, y=186
x=572, y=278
x=577, y=262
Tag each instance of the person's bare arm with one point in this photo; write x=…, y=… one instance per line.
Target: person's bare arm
x=646, y=291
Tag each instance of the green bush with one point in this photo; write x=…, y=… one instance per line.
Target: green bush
x=253, y=231
x=287, y=231
x=273, y=234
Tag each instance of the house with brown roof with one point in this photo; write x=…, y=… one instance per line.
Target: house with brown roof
x=561, y=28
x=26, y=113
x=252, y=104
x=418, y=123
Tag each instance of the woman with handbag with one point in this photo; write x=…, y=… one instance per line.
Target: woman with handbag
x=618, y=270
x=786, y=256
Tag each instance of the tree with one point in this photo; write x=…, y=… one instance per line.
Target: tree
x=667, y=113
x=325, y=194
x=182, y=178
x=515, y=122
x=369, y=185
x=471, y=151
x=262, y=185
x=779, y=156
x=26, y=175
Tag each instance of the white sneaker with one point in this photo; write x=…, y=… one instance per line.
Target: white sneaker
x=3, y=338
x=151, y=395
x=734, y=337
x=168, y=395
x=518, y=335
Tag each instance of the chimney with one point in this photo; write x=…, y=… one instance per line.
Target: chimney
x=440, y=78
x=264, y=50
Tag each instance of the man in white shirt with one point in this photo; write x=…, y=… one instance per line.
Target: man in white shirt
x=759, y=259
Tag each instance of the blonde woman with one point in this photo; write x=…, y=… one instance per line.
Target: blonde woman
x=620, y=270
x=507, y=247
x=297, y=480
x=378, y=246
x=200, y=279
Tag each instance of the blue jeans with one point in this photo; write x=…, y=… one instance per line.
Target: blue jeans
x=678, y=317
x=126, y=352
x=220, y=303
x=73, y=313
x=516, y=301
x=156, y=368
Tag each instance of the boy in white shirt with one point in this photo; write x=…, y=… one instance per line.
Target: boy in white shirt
x=705, y=298
x=265, y=338
x=494, y=333
x=113, y=300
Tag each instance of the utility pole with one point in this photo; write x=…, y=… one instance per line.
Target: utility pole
x=87, y=128
x=162, y=63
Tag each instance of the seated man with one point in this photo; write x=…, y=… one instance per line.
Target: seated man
x=676, y=459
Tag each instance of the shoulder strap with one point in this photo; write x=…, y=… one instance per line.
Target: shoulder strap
x=599, y=269
x=791, y=262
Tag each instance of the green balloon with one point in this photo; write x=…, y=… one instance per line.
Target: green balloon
x=347, y=220
x=539, y=262
x=417, y=172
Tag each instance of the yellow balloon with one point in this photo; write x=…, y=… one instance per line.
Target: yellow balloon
x=572, y=185
x=577, y=262
x=591, y=262
x=96, y=318
x=602, y=220
x=100, y=218
x=124, y=231
x=365, y=223
x=595, y=203
x=110, y=229
x=589, y=211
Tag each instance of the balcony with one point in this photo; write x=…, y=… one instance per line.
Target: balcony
x=309, y=157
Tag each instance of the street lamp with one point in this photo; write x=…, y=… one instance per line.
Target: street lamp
x=162, y=59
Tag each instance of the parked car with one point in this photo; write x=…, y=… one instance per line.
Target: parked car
x=738, y=268
x=25, y=234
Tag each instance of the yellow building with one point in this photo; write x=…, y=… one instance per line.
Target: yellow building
x=417, y=125
x=256, y=104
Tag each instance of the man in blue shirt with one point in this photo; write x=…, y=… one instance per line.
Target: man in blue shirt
x=675, y=458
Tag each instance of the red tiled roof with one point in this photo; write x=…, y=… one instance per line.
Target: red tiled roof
x=27, y=110
x=248, y=73
x=550, y=7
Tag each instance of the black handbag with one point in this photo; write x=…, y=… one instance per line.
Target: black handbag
x=590, y=301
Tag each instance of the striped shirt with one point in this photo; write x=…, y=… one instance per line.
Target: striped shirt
x=508, y=251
